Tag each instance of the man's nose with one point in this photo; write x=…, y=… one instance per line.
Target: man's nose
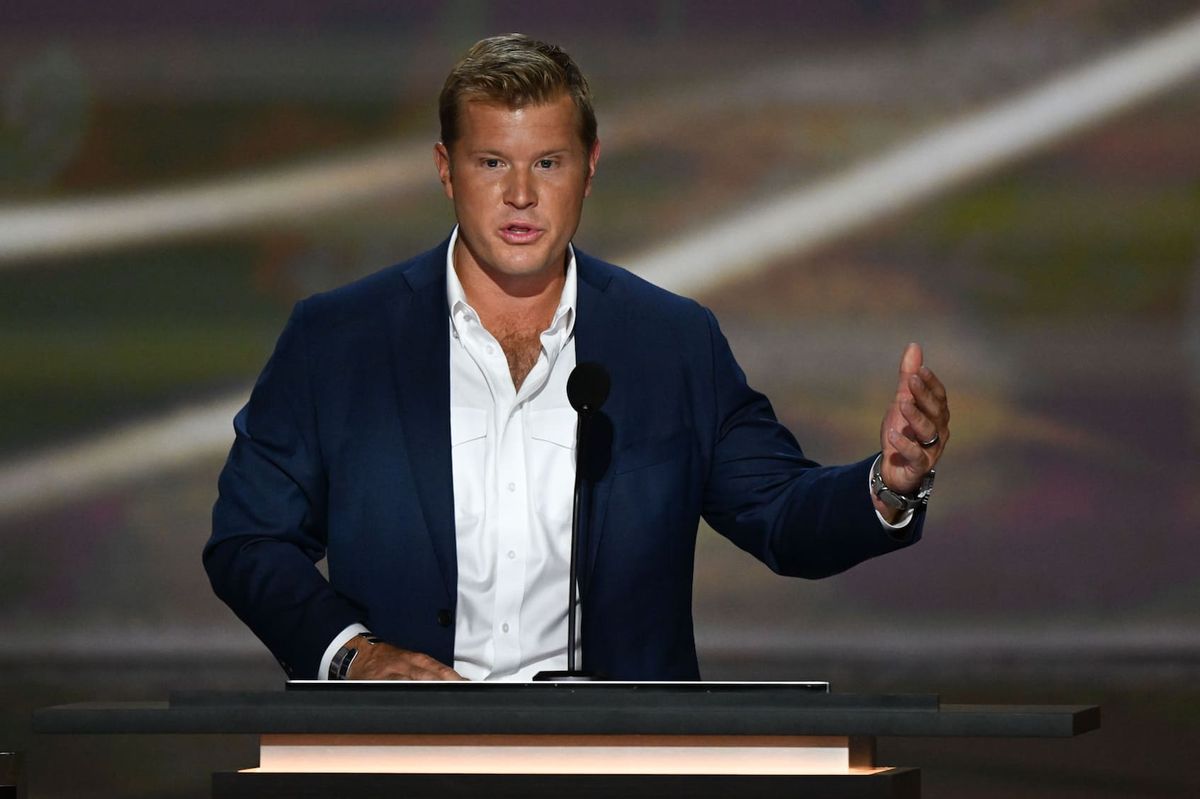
x=520, y=191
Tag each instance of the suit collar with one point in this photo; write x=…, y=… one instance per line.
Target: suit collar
x=427, y=268
x=456, y=298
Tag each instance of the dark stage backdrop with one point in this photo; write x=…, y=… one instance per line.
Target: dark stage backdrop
x=1057, y=295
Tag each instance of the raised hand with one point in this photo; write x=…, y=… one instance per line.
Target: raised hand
x=915, y=428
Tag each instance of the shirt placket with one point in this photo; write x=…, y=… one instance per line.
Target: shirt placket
x=512, y=541
x=508, y=526
x=509, y=523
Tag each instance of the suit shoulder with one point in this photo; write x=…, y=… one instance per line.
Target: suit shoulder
x=639, y=295
x=356, y=299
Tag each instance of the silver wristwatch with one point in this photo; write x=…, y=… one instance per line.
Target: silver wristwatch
x=896, y=500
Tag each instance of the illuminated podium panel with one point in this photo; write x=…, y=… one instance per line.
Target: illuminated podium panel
x=540, y=740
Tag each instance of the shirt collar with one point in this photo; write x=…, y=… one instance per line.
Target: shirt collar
x=460, y=309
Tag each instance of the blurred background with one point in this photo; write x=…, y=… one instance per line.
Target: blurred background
x=1014, y=184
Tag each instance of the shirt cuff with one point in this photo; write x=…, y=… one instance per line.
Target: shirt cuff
x=337, y=643
x=900, y=524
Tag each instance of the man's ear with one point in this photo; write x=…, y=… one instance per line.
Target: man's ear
x=593, y=159
x=441, y=159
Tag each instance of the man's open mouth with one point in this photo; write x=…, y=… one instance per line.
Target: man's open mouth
x=518, y=233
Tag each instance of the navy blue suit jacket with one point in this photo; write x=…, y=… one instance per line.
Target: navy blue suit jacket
x=344, y=451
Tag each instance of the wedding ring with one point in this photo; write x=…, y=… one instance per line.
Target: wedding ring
x=927, y=444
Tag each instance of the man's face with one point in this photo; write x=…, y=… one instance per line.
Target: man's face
x=517, y=178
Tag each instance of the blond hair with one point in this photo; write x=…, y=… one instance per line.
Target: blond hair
x=515, y=70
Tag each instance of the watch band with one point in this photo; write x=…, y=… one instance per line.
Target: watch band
x=339, y=665
x=894, y=499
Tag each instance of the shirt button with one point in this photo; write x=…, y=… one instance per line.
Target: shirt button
x=512, y=486
x=504, y=627
x=511, y=554
x=490, y=349
x=444, y=617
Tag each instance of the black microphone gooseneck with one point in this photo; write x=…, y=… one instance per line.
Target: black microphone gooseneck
x=587, y=389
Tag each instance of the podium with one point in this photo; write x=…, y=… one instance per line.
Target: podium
x=580, y=740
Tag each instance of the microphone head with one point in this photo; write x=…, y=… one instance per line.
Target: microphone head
x=587, y=387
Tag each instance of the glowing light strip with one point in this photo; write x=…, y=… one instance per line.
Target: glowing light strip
x=120, y=456
x=620, y=754
x=86, y=226
x=43, y=231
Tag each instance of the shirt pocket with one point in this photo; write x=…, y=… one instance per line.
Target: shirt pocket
x=550, y=464
x=468, y=455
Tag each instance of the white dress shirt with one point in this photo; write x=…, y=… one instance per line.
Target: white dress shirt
x=513, y=459
x=513, y=455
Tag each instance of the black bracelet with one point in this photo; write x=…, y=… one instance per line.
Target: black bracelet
x=339, y=667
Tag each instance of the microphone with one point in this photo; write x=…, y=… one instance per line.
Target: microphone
x=587, y=389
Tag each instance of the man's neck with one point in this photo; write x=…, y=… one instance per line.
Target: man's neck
x=514, y=309
x=505, y=302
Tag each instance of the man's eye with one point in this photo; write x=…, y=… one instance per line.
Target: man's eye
x=546, y=163
x=491, y=163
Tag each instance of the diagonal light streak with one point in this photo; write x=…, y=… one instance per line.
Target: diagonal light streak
x=963, y=150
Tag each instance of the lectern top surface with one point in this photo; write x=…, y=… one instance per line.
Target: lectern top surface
x=564, y=711
x=811, y=686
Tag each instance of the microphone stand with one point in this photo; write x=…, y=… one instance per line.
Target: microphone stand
x=587, y=388
x=573, y=579
x=572, y=674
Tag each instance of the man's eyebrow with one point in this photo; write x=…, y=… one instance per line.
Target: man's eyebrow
x=558, y=151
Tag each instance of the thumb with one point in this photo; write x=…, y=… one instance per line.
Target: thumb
x=912, y=359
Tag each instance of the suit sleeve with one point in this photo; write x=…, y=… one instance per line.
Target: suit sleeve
x=801, y=519
x=269, y=521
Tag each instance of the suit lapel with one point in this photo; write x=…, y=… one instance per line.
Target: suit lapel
x=420, y=341
x=597, y=338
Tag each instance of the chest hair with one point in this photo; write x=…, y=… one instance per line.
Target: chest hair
x=522, y=346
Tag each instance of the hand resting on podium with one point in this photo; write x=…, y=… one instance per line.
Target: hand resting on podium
x=382, y=661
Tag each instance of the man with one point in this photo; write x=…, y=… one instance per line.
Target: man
x=413, y=427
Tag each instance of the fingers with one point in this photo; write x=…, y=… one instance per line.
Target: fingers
x=929, y=404
x=430, y=668
x=920, y=413
x=923, y=428
x=914, y=460
x=932, y=381
x=424, y=667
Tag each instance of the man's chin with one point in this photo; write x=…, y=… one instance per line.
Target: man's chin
x=526, y=267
